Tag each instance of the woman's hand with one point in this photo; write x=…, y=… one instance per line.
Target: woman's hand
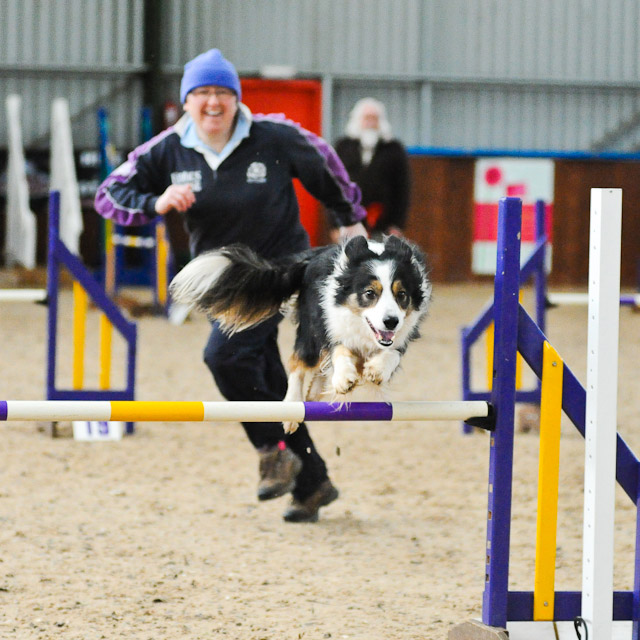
x=177, y=196
x=356, y=229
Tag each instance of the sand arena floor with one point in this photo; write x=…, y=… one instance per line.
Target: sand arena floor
x=160, y=535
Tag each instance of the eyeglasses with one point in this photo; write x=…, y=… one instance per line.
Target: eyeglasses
x=204, y=93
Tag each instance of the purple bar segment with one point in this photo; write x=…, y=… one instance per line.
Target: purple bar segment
x=321, y=411
x=3, y=410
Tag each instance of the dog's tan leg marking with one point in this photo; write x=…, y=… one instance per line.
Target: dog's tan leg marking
x=345, y=371
x=295, y=387
x=380, y=367
x=316, y=388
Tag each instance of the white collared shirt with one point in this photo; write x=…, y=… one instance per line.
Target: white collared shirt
x=189, y=137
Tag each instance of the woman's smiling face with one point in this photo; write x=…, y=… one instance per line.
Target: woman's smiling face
x=213, y=110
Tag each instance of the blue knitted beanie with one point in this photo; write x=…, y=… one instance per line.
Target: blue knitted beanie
x=208, y=68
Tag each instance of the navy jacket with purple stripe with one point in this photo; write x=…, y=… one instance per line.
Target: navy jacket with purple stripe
x=248, y=197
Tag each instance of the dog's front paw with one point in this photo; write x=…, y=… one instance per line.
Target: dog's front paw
x=290, y=427
x=381, y=367
x=372, y=372
x=345, y=372
x=344, y=380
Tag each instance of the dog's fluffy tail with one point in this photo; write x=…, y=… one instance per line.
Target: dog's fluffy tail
x=236, y=287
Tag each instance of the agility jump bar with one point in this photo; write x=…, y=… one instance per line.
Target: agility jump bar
x=476, y=412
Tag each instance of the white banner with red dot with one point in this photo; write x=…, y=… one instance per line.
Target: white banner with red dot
x=529, y=179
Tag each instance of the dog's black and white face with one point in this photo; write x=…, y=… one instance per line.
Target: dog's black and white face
x=377, y=295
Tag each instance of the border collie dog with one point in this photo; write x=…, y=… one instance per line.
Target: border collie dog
x=356, y=305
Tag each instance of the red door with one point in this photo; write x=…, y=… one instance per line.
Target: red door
x=300, y=101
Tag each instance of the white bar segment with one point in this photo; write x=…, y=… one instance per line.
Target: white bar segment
x=56, y=410
x=582, y=299
x=133, y=241
x=254, y=411
x=601, y=412
x=22, y=295
x=436, y=410
x=568, y=298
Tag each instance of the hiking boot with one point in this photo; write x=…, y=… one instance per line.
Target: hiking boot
x=307, y=510
x=279, y=467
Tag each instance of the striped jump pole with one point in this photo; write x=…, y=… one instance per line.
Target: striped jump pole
x=477, y=412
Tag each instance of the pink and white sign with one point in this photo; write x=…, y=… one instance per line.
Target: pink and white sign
x=529, y=179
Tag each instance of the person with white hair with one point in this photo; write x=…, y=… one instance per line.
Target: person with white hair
x=378, y=163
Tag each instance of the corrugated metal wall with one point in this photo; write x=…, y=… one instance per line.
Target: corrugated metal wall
x=543, y=41
x=88, y=51
x=517, y=74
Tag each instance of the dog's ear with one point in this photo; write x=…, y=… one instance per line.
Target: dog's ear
x=407, y=251
x=357, y=247
x=398, y=246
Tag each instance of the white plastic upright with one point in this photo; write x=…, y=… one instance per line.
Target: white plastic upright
x=63, y=176
x=601, y=412
x=20, y=247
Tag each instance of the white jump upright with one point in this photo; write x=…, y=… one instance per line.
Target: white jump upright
x=63, y=176
x=601, y=412
x=20, y=247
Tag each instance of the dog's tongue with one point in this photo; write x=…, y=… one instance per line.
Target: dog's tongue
x=384, y=338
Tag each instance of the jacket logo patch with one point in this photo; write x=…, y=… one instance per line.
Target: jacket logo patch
x=257, y=173
x=192, y=178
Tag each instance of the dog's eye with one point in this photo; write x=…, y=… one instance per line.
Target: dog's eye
x=401, y=296
x=370, y=294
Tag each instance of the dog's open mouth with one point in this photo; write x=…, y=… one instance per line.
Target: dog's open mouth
x=384, y=338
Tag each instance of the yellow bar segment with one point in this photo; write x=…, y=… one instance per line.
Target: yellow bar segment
x=489, y=348
x=106, y=332
x=79, y=333
x=489, y=343
x=519, y=357
x=548, y=472
x=109, y=259
x=162, y=253
x=137, y=411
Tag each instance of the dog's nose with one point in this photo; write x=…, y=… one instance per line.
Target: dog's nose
x=390, y=322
